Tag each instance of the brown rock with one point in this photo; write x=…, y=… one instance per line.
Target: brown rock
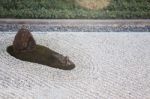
x=24, y=48
x=24, y=41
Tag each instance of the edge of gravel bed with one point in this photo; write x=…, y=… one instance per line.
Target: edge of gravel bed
x=77, y=25
x=77, y=21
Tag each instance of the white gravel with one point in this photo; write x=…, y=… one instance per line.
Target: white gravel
x=108, y=66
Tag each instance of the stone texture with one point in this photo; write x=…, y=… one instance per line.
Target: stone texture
x=25, y=48
x=24, y=41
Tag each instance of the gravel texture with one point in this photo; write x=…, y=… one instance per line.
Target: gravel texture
x=108, y=66
x=76, y=25
x=50, y=28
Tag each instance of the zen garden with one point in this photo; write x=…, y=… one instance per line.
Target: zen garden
x=74, y=49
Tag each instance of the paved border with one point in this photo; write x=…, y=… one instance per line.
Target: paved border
x=76, y=21
x=77, y=25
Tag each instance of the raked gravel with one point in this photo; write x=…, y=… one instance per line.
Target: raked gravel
x=108, y=66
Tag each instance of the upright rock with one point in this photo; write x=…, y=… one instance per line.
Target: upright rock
x=24, y=41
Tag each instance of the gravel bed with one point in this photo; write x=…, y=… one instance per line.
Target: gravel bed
x=108, y=66
x=80, y=28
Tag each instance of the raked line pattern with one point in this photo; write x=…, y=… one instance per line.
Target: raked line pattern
x=108, y=66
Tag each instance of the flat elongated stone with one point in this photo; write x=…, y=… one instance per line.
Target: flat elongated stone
x=24, y=41
x=45, y=56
